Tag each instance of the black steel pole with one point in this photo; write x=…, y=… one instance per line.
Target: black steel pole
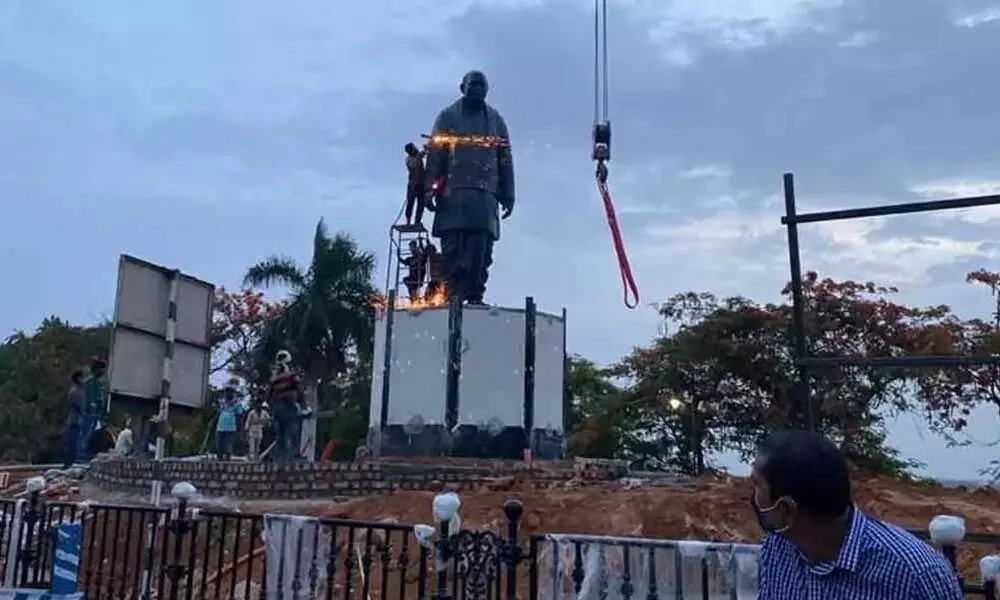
x=528, y=412
x=26, y=554
x=798, y=301
x=566, y=400
x=905, y=208
x=445, y=549
x=454, y=358
x=695, y=444
x=390, y=318
x=927, y=360
x=511, y=553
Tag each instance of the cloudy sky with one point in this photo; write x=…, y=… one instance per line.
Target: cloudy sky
x=207, y=135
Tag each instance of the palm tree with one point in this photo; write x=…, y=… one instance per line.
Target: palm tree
x=329, y=319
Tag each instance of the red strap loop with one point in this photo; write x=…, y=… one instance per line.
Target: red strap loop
x=631, y=290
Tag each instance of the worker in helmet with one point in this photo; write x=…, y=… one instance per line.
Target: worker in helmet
x=285, y=397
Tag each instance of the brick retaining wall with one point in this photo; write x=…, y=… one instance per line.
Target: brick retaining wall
x=295, y=481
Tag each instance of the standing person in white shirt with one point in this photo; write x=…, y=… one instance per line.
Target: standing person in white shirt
x=256, y=420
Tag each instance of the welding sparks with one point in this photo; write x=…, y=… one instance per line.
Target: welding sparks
x=484, y=141
x=438, y=298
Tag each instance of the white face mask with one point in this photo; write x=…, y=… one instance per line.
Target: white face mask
x=761, y=512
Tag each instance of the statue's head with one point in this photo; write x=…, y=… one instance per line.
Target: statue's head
x=411, y=149
x=474, y=86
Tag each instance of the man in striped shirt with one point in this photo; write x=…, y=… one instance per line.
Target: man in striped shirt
x=819, y=546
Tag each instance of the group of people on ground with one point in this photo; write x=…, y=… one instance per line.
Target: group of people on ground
x=284, y=408
x=87, y=400
x=234, y=416
x=87, y=432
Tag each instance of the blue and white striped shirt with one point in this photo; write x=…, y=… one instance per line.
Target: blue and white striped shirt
x=877, y=561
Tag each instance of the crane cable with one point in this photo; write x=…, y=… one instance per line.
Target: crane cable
x=602, y=149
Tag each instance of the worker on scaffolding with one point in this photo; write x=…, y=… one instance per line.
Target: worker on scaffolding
x=416, y=268
x=414, y=183
x=436, y=265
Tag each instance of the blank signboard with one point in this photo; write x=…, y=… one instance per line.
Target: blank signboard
x=139, y=340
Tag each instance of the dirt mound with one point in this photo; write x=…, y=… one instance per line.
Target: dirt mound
x=711, y=508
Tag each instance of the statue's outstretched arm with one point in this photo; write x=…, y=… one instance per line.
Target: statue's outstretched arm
x=506, y=191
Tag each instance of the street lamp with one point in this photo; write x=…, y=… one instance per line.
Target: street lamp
x=476, y=554
x=676, y=404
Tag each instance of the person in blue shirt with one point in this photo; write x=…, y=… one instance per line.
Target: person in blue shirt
x=230, y=408
x=820, y=546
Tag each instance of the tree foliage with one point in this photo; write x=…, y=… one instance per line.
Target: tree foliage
x=725, y=374
x=239, y=322
x=328, y=320
x=593, y=414
x=34, y=379
x=327, y=324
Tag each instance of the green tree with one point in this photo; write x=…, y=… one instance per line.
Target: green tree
x=34, y=379
x=726, y=374
x=347, y=398
x=328, y=320
x=951, y=394
x=594, y=416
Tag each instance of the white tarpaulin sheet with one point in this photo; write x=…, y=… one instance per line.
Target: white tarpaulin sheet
x=579, y=567
x=296, y=556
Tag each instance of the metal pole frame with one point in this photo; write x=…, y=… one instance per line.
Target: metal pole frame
x=163, y=415
x=392, y=260
x=528, y=410
x=798, y=304
x=390, y=318
x=803, y=361
x=454, y=366
x=565, y=377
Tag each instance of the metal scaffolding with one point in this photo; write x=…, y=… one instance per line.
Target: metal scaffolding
x=803, y=360
x=400, y=236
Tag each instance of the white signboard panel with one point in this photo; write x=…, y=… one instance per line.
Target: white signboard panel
x=549, y=363
x=417, y=368
x=139, y=343
x=492, y=385
x=492, y=381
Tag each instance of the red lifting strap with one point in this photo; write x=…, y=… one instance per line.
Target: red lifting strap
x=631, y=290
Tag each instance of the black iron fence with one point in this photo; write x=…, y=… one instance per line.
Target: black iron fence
x=141, y=552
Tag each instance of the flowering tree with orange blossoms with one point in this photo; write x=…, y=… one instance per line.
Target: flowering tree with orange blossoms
x=239, y=323
x=725, y=375
x=951, y=394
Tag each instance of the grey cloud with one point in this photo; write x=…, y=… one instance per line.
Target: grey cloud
x=836, y=116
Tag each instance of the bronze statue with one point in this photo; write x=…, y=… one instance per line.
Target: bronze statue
x=470, y=178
